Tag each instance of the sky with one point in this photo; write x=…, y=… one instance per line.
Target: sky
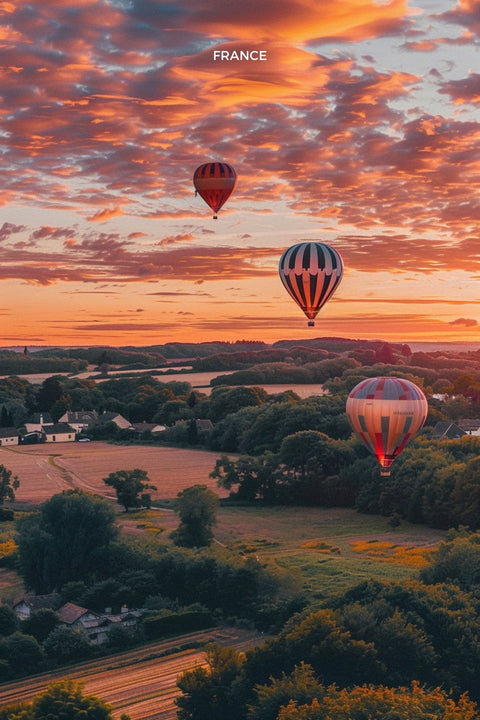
x=360, y=130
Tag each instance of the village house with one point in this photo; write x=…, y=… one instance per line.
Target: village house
x=115, y=417
x=470, y=425
x=80, y=420
x=139, y=428
x=205, y=425
x=58, y=432
x=8, y=436
x=36, y=422
x=94, y=625
x=447, y=430
x=26, y=604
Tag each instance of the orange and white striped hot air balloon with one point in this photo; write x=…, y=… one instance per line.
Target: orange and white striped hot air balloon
x=386, y=413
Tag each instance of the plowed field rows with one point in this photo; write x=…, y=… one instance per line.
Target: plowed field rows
x=137, y=682
x=44, y=470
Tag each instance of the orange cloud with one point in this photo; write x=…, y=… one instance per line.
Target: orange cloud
x=106, y=214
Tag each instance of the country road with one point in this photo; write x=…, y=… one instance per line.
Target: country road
x=139, y=682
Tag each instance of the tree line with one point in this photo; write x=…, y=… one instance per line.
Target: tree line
x=71, y=546
x=408, y=649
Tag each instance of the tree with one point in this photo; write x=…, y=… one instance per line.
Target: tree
x=381, y=703
x=65, y=701
x=130, y=486
x=466, y=495
x=64, y=645
x=50, y=391
x=22, y=652
x=196, y=507
x=7, y=485
x=209, y=693
x=256, y=477
x=8, y=620
x=67, y=540
x=40, y=624
x=300, y=686
x=456, y=561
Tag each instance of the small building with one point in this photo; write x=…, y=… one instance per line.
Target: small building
x=26, y=604
x=8, y=436
x=204, y=425
x=144, y=426
x=36, y=421
x=470, y=425
x=80, y=618
x=96, y=626
x=79, y=420
x=447, y=430
x=59, y=432
x=115, y=417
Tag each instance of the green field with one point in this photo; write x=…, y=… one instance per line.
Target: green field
x=327, y=549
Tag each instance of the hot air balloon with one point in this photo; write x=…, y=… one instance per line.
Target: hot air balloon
x=214, y=182
x=386, y=413
x=311, y=272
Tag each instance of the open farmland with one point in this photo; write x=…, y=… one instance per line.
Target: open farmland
x=44, y=470
x=142, y=682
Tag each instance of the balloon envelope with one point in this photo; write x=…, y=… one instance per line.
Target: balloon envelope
x=215, y=182
x=310, y=272
x=386, y=413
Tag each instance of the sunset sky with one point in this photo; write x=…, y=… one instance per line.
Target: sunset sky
x=361, y=130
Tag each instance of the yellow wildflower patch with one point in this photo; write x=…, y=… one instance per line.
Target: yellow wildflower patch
x=7, y=547
x=390, y=552
x=321, y=546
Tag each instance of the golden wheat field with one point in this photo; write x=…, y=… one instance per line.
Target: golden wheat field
x=44, y=470
x=142, y=682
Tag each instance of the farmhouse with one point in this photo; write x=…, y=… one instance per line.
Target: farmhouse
x=144, y=426
x=36, y=422
x=8, y=436
x=470, y=425
x=116, y=418
x=95, y=626
x=446, y=430
x=79, y=420
x=59, y=432
x=26, y=604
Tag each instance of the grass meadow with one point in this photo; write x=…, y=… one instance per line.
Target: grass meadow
x=327, y=550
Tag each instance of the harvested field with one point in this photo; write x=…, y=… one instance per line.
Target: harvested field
x=44, y=470
x=139, y=682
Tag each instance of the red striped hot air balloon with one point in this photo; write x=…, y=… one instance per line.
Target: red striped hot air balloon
x=310, y=272
x=386, y=413
x=214, y=182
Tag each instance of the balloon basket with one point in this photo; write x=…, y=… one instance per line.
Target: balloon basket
x=311, y=323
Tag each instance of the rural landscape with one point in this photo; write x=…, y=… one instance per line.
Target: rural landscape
x=269, y=556
x=239, y=360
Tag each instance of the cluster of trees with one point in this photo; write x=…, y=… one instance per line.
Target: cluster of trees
x=138, y=399
x=144, y=398
x=372, y=652
x=433, y=482
x=72, y=546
